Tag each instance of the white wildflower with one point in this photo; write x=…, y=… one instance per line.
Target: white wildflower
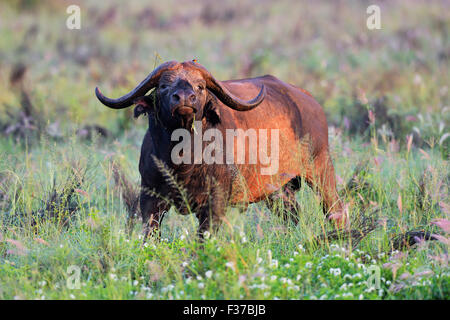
x=335, y=271
x=274, y=263
x=230, y=264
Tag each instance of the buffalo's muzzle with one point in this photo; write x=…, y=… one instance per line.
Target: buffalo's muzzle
x=183, y=110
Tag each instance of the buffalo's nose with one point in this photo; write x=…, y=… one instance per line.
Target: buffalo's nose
x=182, y=97
x=176, y=98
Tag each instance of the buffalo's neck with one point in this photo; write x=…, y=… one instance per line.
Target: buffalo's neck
x=195, y=178
x=160, y=137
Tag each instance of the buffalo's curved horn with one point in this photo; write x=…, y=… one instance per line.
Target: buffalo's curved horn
x=224, y=95
x=146, y=85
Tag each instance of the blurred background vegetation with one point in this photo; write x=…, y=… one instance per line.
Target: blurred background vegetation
x=401, y=72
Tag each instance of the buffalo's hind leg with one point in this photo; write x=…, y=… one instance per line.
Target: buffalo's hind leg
x=290, y=207
x=153, y=211
x=322, y=179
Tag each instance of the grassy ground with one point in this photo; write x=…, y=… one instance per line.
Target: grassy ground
x=61, y=210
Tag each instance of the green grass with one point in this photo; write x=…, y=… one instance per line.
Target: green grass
x=325, y=49
x=256, y=255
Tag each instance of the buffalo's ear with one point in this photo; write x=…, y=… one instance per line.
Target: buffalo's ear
x=211, y=111
x=144, y=105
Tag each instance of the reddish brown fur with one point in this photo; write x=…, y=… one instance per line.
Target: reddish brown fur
x=303, y=147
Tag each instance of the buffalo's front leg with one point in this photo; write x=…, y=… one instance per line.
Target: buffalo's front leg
x=211, y=214
x=207, y=221
x=153, y=211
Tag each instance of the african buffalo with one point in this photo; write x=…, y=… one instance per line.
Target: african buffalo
x=186, y=92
